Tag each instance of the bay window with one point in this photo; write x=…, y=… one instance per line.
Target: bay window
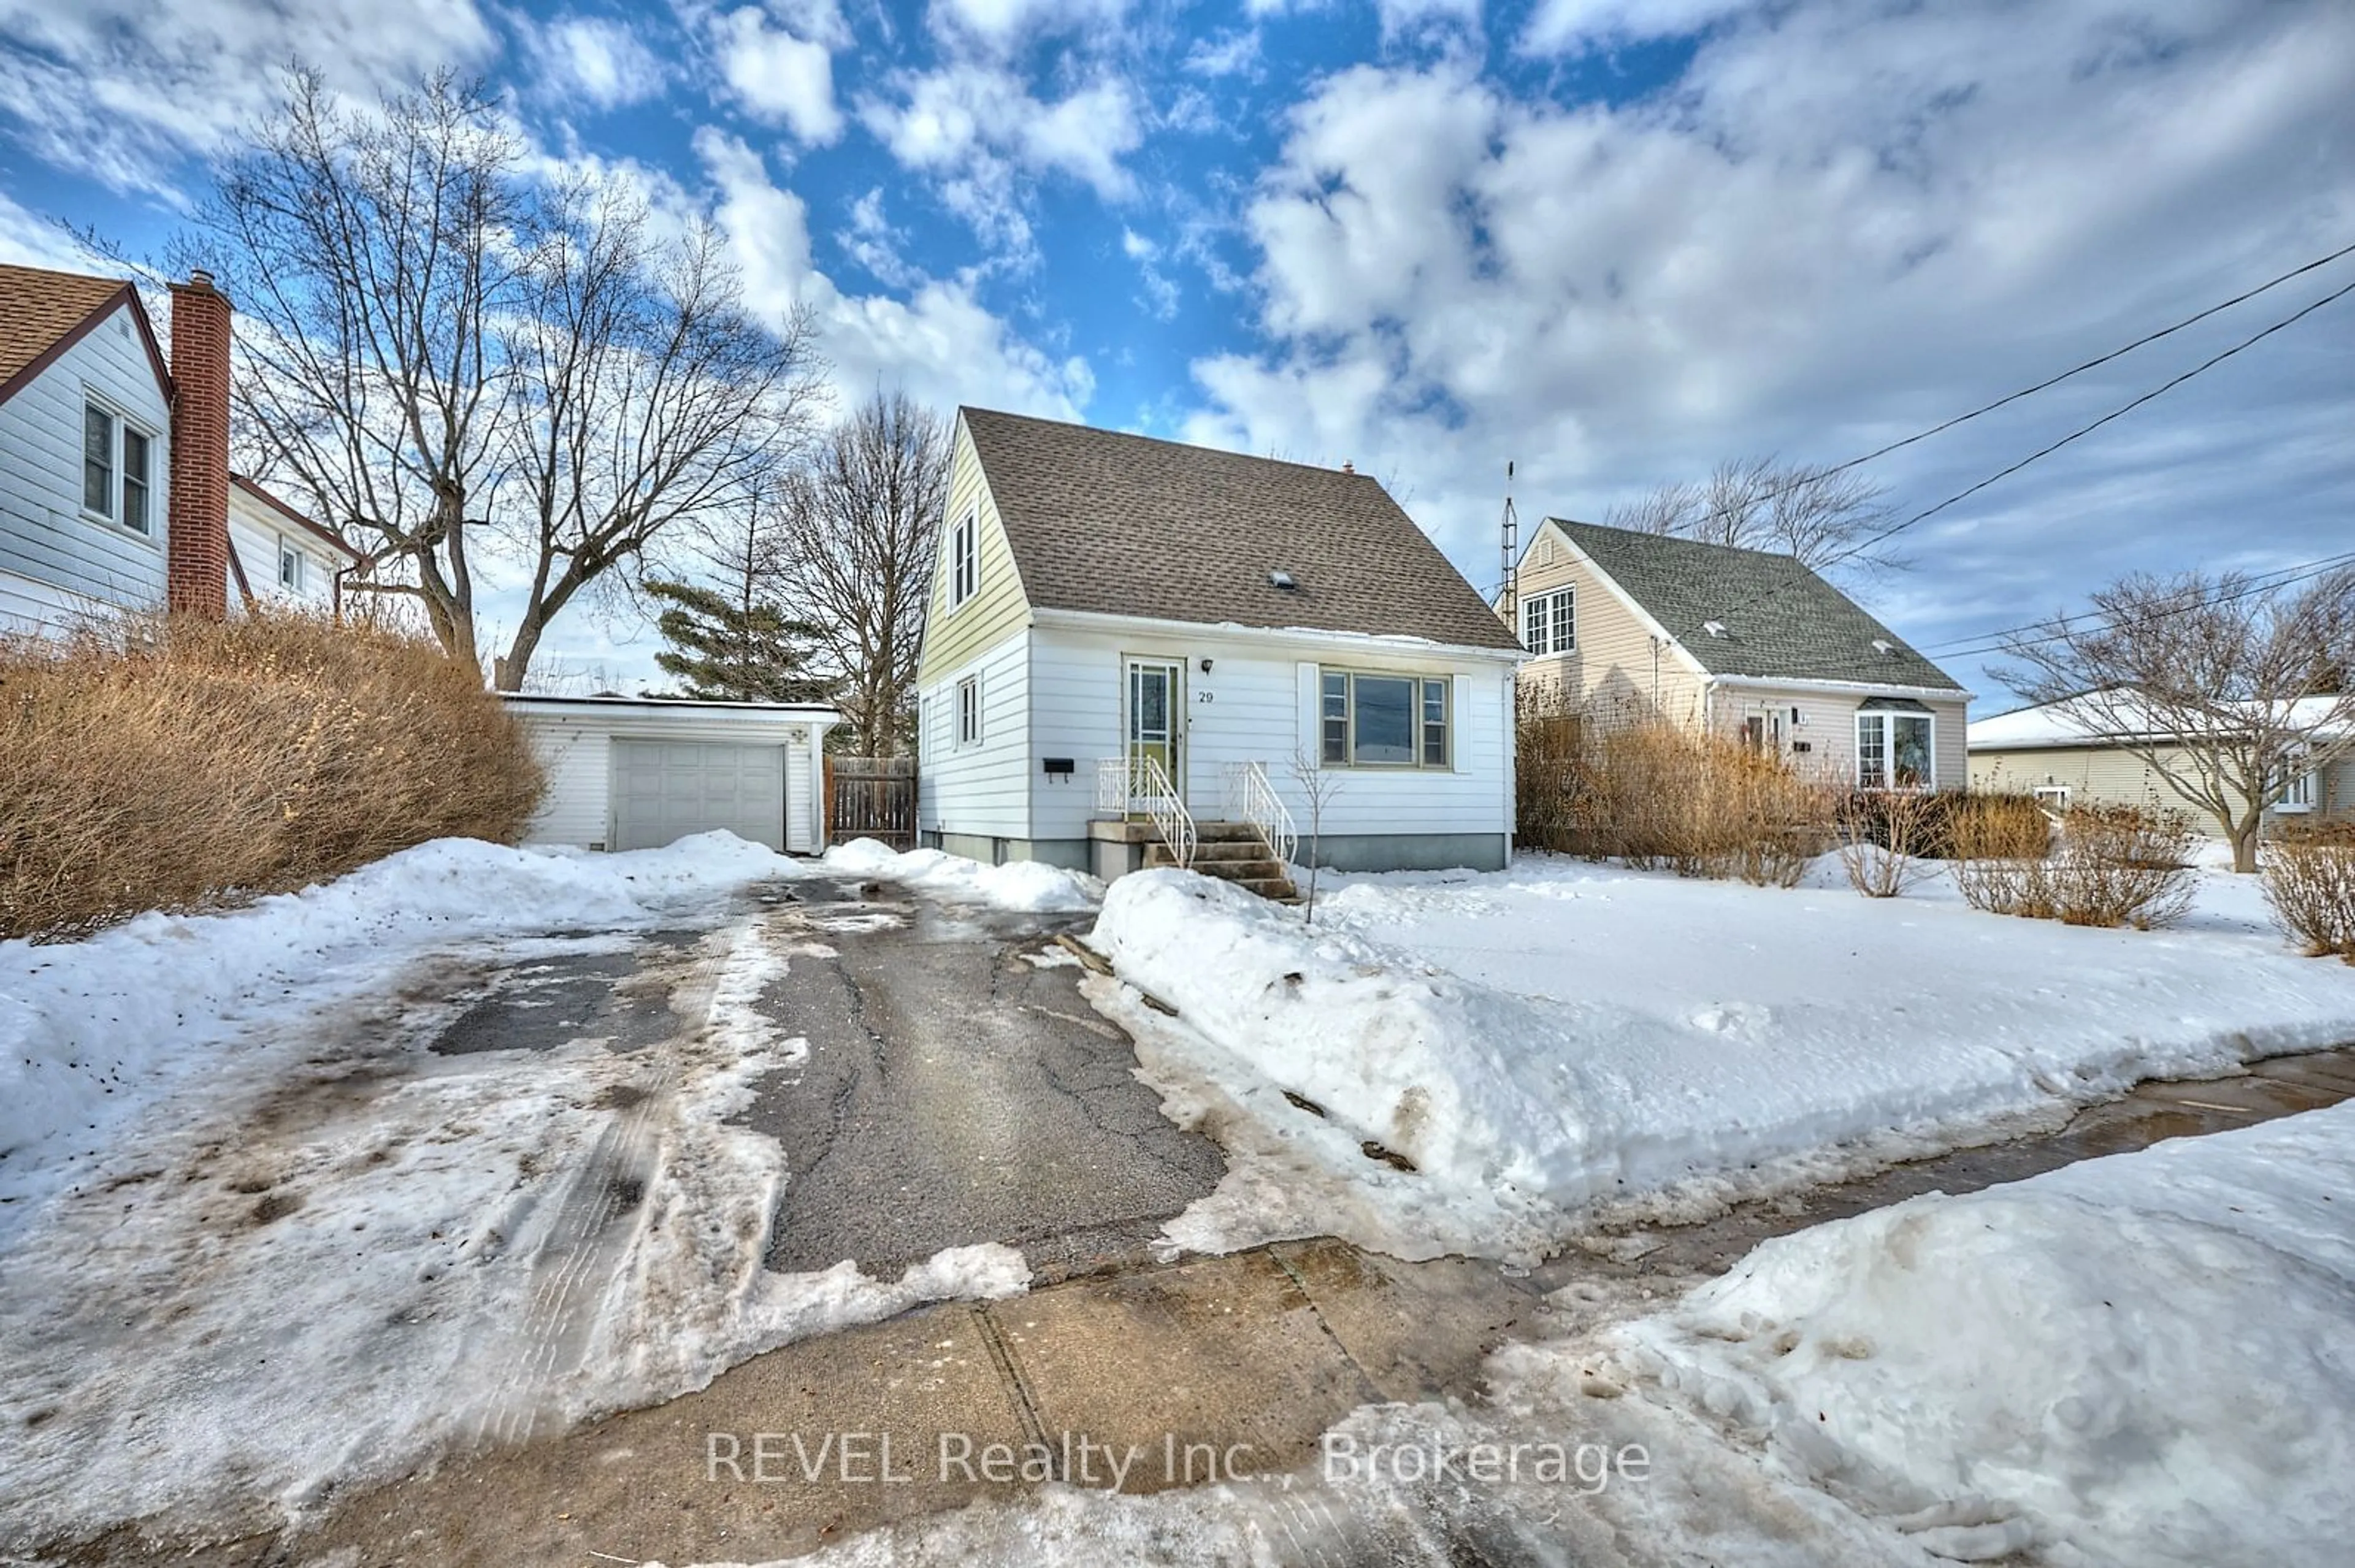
x=1895, y=745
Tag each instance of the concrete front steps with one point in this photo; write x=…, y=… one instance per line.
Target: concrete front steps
x=1233, y=852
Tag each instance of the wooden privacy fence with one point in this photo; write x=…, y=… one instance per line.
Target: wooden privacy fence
x=872, y=797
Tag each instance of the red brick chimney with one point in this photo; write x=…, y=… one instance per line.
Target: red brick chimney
x=198, y=562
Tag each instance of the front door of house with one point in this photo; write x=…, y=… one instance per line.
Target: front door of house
x=1156, y=722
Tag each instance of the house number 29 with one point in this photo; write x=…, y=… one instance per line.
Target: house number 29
x=1202, y=696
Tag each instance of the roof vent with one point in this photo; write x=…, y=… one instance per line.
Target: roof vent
x=1714, y=628
x=1282, y=579
x=1348, y=466
x=1884, y=647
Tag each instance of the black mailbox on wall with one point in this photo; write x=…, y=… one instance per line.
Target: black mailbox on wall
x=1059, y=767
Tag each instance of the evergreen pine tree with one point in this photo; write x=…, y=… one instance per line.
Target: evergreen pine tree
x=727, y=650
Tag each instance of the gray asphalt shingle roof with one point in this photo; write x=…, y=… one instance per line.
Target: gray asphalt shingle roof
x=1125, y=524
x=1781, y=620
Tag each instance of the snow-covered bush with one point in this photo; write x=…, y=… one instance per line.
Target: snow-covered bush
x=171, y=763
x=2310, y=876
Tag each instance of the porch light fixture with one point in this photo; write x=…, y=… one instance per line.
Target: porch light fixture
x=1206, y=666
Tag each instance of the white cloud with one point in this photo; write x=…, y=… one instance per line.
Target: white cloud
x=29, y=239
x=783, y=75
x=1842, y=223
x=596, y=60
x=954, y=119
x=940, y=344
x=1233, y=53
x=121, y=92
x=1563, y=26
x=1000, y=24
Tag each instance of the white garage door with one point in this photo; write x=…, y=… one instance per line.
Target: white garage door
x=664, y=790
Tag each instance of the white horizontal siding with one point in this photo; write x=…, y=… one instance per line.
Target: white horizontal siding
x=1256, y=703
x=41, y=608
x=256, y=532
x=1826, y=726
x=981, y=789
x=45, y=536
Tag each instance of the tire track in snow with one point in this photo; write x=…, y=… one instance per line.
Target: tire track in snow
x=578, y=1263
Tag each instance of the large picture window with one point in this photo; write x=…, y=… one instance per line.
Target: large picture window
x=1549, y=622
x=1370, y=720
x=1895, y=749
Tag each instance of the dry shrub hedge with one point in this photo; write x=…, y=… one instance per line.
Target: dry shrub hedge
x=2115, y=865
x=183, y=764
x=2309, y=875
x=1657, y=797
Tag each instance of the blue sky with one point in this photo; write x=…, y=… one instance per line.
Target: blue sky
x=1612, y=241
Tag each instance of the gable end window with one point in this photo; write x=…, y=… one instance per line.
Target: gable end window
x=290, y=565
x=1549, y=622
x=1369, y=721
x=117, y=469
x=964, y=558
x=968, y=711
x=1895, y=749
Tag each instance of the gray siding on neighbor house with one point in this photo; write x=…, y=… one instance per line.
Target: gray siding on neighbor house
x=45, y=538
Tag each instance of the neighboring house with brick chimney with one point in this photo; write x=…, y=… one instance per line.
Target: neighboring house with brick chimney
x=1131, y=642
x=115, y=490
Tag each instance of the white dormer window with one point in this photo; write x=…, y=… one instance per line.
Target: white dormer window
x=964, y=558
x=1549, y=622
x=290, y=565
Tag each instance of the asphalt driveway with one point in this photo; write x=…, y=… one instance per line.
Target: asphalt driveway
x=959, y=1089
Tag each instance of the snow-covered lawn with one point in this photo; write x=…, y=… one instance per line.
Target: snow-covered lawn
x=1561, y=1038
x=257, y=1240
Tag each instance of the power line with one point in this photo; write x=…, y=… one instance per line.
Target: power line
x=1802, y=572
x=1813, y=476
x=2009, y=637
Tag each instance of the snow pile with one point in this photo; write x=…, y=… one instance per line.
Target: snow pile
x=1030, y=886
x=2137, y=1360
x=1541, y=1043
x=90, y=1029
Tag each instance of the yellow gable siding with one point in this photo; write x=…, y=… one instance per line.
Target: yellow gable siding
x=953, y=638
x=1614, y=673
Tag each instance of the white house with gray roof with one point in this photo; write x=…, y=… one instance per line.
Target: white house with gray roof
x=1623, y=625
x=1134, y=647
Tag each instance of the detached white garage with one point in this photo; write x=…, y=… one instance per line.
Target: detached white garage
x=636, y=773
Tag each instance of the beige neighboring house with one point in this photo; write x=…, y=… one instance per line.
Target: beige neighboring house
x=2050, y=751
x=1623, y=626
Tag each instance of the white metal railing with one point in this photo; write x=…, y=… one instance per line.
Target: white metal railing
x=1141, y=784
x=1112, y=785
x=1252, y=798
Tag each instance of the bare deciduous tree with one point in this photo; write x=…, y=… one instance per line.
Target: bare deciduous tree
x=2226, y=689
x=364, y=253
x=1799, y=509
x=1317, y=787
x=855, y=541
x=450, y=356
x=644, y=397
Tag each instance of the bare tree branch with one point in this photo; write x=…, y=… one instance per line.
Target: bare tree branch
x=1797, y=509
x=2229, y=693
